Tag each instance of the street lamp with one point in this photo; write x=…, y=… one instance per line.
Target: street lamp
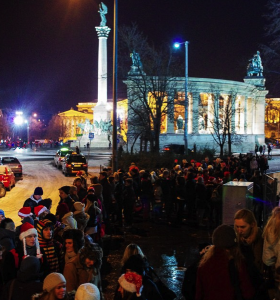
x=177, y=45
x=115, y=75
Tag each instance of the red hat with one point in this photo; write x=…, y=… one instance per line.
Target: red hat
x=25, y=212
x=131, y=282
x=226, y=174
x=192, y=161
x=198, y=164
x=27, y=229
x=39, y=209
x=79, y=173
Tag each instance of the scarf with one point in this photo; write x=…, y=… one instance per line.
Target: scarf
x=48, y=246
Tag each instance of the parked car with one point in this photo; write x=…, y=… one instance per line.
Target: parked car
x=13, y=163
x=74, y=163
x=174, y=148
x=59, y=156
x=7, y=177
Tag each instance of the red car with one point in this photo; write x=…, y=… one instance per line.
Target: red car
x=7, y=177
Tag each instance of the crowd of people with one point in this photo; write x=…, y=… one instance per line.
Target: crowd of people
x=59, y=256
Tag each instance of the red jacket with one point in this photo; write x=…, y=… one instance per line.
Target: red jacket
x=213, y=280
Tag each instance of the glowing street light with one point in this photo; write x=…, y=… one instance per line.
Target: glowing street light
x=18, y=120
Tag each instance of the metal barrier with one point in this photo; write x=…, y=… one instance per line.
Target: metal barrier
x=271, y=189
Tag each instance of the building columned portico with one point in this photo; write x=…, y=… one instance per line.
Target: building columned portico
x=208, y=100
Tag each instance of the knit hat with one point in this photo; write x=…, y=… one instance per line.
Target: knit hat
x=52, y=280
x=131, y=282
x=25, y=212
x=224, y=237
x=65, y=189
x=38, y=191
x=87, y=291
x=27, y=229
x=41, y=225
x=46, y=202
x=68, y=220
x=79, y=207
x=39, y=209
x=2, y=212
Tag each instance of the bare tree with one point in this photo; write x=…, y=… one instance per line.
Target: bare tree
x=151, y=84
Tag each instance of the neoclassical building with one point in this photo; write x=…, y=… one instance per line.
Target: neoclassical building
x=207, y=100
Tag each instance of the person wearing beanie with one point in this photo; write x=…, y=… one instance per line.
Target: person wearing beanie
x=28, y=246
x=50, y=248
x=98, y=188
x=58, y=227
x=220, y=267
x=47, y=203
x=80, y=216
x=28, y=280
x=34, y=199
x=87, y=291
x=84, y=268
x=64, y=194
x=54, y=288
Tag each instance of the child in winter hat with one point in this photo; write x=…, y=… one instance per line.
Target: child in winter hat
x=87, y=291
x=131, y=282
x=26, y=230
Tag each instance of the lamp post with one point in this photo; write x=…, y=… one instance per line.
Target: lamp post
x=177, y=45
x=115, y=73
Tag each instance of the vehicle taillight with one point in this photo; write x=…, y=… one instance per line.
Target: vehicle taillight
x=68, y=165
x=166, y=149
x=19, y=166
x=59, y=159
x=84, y=165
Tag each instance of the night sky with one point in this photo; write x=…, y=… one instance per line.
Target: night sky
x=49, y=48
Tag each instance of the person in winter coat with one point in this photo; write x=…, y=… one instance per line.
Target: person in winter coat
x=84, y=268
x=93, y=211
x=81, y=192
x=80, y=216
x=27, y=281
x=128, y=202
x=136, y=263
x=250, y=241
x=28, y=246
x=73, y=192
x=201, y=200
x=34, y=199
x=54, y=288
x=50, y=248
x=64, y=193
x=7, y=234
x=73, y=242
x=271, y=247
x=222, y=270
x=130, y=287
x=180, y=190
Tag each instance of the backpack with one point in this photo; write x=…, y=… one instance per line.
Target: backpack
x=215, y=196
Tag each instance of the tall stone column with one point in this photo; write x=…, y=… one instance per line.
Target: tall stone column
x=195, y=115
x=101, y=109
x=245, y=113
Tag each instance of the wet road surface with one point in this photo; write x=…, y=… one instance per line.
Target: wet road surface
x=169, y=250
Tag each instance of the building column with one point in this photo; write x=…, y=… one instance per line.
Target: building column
x=245, y=113
x=195, y=116
x=233, y=113
x=170, y=113
x=210, y=113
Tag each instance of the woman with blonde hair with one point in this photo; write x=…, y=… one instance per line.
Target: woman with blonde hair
x=271, y=247
x=131, y=249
